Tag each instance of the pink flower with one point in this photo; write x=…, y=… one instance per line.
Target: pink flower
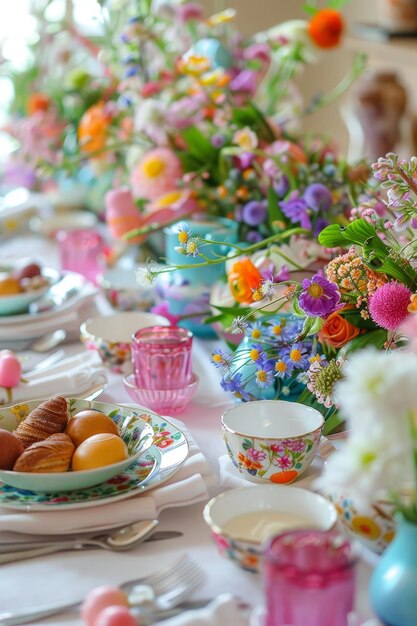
x=150, y=89
x=284, y=462
x=256, y=455
x=388, y=305
x=122, y=215
x=258, y=51
x=163, y=309
x=155, y=174
x=189, y=11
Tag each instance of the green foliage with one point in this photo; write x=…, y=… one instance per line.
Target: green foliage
x=377, y=338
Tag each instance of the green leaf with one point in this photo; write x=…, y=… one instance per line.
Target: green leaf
x=375, y=338
x=332, y=237
x=331, y=423
x=246, y=444
x=337, y=4
x=274, y=212
x=199, y=146
x=309, y=9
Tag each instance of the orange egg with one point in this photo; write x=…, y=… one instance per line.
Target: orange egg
x=98, y=451
x=86, y=423
x=9, y=286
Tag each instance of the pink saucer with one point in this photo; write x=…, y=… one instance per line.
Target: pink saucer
x=165, y=401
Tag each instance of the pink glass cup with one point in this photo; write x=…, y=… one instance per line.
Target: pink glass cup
x=309, y=579
x=81, y=251
x=161, y=357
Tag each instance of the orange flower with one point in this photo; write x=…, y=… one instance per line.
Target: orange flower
x=93, y=127
x=326, y=28
x=337, y=330
x=37, y=102
x=244, y=278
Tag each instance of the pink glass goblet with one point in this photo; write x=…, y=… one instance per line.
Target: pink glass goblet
x=161, y=357
x=309, y=579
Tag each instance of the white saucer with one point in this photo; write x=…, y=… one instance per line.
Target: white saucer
x=257, y=618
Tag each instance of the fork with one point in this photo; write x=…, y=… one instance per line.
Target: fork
x=170, y=587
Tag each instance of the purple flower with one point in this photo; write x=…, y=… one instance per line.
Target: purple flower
x=296, y=210
x=319, y=297
x=318, y=197
x=189, y=11
x=258, y=51
x=264, y=376
x=253, y=236
x=283, y=274
x=254, y=213
x=270, y=168
x=236, y=386
x=319, y=226
x=245, y=81
x=244, y=160
x=282, y=186
x=218, y=141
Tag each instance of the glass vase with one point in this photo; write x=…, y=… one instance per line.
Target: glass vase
x=393, y=586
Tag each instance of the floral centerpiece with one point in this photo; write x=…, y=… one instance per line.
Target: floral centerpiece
x=361, y=297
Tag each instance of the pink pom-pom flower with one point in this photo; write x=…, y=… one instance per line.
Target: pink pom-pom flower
x=388, y=305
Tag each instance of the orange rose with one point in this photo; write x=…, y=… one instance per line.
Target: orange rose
x=37, y=102
x=243, y=278
x=337, y=331
x=326, y=28
x=93, y=127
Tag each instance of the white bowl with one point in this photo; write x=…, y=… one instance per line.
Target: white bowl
x=111, y=336
x=246, y=550
x=135, y=432
x=123, y=292
x=19, y=302
x=271, y=440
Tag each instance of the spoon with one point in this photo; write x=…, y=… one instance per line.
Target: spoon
x=123, y=539
x=49, y=341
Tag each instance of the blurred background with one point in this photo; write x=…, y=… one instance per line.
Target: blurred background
x=33, y=29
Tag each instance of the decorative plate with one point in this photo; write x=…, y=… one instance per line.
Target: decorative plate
x=160, y=462
x=19, y=302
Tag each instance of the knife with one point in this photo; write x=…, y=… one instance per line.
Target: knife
x=63, y=290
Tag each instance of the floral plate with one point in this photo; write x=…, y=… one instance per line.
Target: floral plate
x=160, y=462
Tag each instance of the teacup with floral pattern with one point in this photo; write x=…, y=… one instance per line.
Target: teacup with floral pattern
x=271, y=440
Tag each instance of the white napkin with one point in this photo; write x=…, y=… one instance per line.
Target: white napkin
x=190, y=484
x=69, y=377
x=231, y=477
x=222, y=610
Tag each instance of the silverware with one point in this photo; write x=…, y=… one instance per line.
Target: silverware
x=123, y=539
x=60, y=292
x=44, y=364
x=163, y=583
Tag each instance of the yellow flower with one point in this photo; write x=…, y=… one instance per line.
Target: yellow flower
x=20, y=411
x=366, y=527
x=222, y=18
x=194, y=65
x=246, y=139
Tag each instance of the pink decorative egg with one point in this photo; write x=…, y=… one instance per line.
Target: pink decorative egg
x=100, y=598
x=115, y=616
x=122, y=215
x=10, y=370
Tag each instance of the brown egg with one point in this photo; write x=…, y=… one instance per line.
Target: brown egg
x=98, y=451
x=9, y=286
x=28, y=271
x=86, y=423
x=10, y=449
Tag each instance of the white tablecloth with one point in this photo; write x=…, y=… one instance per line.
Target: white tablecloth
x=70, y=575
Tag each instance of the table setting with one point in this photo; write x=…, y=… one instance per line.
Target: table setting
x=208, y=334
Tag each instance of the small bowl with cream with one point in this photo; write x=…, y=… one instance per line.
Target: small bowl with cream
x=242, y=520
x=271, y=440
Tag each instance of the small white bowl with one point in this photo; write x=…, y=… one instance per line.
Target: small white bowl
x=111, y=336
x=123, y=292
x=316, y=511
x=271, y=440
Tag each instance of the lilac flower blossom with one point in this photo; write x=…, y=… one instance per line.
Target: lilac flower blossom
x=296, y=210
x=254, y=213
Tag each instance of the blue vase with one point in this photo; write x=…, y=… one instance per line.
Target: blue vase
x=283, y=389
x=218, y=228
x=393, y=587
x=187, y=290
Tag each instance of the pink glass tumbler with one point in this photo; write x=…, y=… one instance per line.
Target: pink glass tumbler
x=161, y=357
x=309, y=579
x=81, y=251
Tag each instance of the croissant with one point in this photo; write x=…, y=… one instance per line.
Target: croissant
x=48, y=418
x=50, y=455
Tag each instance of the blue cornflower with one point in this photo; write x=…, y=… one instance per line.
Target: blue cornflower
x=221, y=359
x=255, y=330
x=257, y=353
x=282, y=368
x=235, y=385
x=296, y=355
x=131, y=71
x=264, y=376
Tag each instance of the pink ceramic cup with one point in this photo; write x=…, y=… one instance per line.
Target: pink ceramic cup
x=309, y=579
x=161, y=357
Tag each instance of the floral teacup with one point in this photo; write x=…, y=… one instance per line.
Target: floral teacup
x=271, y=440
